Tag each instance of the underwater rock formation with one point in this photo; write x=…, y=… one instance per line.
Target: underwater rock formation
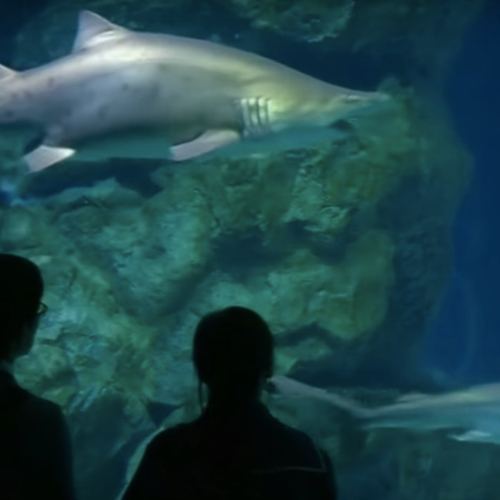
x=311, y=21
x=344, y=249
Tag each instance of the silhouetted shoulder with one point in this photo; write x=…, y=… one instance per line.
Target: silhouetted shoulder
x=32, y=413
x=268, y=443
x=35, y=436
x=38, y=408
x=44, y=410
x=261, y=453
x=290, y=446
x=171, y=442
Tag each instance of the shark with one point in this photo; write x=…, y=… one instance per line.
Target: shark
x=470, y=414
x=122, y=93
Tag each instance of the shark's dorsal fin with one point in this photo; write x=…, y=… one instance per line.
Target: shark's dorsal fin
x=5, y=72
x=93, y=29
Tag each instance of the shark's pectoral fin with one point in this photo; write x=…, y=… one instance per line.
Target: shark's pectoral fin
x=472, y=435
x=205, y=143
x=45, y=156
x=5, y=72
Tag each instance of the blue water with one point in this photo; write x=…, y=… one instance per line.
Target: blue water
x=465, y=339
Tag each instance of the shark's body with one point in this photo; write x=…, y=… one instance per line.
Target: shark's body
x=474, y=412
x=127, y=94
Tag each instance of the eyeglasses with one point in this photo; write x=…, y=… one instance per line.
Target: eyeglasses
x=42, y=309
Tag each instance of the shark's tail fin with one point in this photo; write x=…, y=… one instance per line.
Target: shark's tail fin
x=354, y=423
x=347, y=407
x=351, y=418
x=288, y=386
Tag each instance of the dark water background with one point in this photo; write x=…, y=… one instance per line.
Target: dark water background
x=465, y=338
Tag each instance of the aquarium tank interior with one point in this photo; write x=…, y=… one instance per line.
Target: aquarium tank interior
x=344, y=185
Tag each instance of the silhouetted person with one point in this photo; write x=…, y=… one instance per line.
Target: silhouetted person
x=35, y=455
x=235, y=450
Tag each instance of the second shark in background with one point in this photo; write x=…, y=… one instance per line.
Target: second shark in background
x=471, y=414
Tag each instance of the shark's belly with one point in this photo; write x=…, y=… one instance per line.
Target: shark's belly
x=283, y=141
x=146, y=145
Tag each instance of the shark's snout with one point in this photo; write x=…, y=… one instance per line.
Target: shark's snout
x=353, y=104
x=357, y=100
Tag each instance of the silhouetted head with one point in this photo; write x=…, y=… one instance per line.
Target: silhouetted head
x=233, y=353
x=21, y=290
